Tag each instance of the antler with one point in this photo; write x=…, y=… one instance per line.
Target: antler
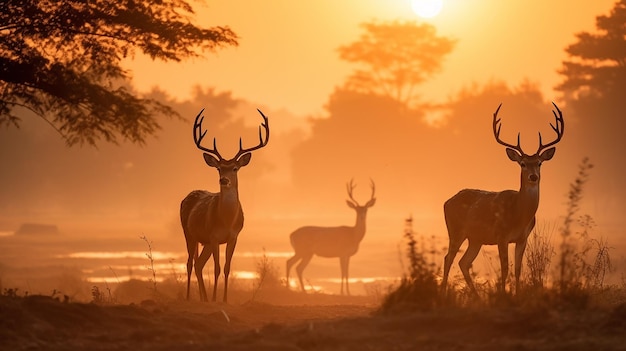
x=198, y=135
x=558, y=127
x=350, y=187
x=496, y=133
x=373, y=186
x=266, y=126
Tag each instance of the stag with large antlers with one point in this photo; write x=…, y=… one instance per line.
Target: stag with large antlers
x=212, y=219
x=342, y=242
x=498, y=218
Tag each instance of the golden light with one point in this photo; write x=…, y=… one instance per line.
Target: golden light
x=427, y=8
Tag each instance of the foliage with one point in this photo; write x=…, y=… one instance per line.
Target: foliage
x=580, y=271
x=62, y=61
x=593, y=85
x=596, y=66
x=398, y=56
x=418, y=289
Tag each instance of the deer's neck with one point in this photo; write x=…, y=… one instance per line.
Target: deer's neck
x=359, y=227
x=228, y=204
x=528, y=199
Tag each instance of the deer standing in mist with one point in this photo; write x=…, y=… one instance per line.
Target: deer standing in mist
x=212, y=219
x=498, y=218
x=342, y=241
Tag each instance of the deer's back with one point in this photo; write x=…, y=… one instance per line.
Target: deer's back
x=325, y=241
x=486, y=216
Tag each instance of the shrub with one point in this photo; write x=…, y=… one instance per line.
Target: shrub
x=418, y=288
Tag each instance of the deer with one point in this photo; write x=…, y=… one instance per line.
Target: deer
x=499, y=218
x=341, y=241
x=213, y=219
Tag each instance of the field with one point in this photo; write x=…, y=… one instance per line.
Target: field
x=48, y=302
x=297, y=321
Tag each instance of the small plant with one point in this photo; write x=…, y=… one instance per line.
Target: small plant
x=539, y=253
x=99, y=297
x=569, y=275
x=10, y=292
x=153, y=280
x=580, y=271
x=267, y=275
x=96, y=295
x=601, y=265
x=417, y=289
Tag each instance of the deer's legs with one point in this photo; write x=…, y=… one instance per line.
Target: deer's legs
x=301, y=266
x=230, y=249
x=344, y=262
x=192, y=250
x=465, y=263
x=290, y=263
x=503, y=252
x=216, y=268
x=200, y=262
x=453, y=248
x=519, y=254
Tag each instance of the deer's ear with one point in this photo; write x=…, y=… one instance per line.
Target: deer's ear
x=211, y=160
x=513, y=155
x=244, y=159
x=548, y=154
x=370, y=203
x=350, y=204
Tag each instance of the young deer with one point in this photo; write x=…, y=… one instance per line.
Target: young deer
x=498, y=218
x=212, y=219
x=342, y=242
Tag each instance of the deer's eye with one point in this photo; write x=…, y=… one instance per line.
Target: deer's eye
x=522, y=164
x=235, y=169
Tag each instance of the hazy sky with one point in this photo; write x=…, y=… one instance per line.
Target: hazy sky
x=287, y=56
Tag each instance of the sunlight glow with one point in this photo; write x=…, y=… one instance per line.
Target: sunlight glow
x=156, y=255
x=427, y=8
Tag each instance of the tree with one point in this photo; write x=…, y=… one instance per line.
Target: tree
x=593, y=91
x=62, y=61
x=398, y=56
x=595, y=73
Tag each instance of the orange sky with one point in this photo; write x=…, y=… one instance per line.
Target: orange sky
x=287, y=54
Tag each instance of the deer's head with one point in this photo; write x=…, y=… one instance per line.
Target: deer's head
x=228, y=168
x=352, y=203
x=531, y=164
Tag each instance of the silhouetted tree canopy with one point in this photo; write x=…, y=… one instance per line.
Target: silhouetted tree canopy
x=364, y=135
x=128, y=177
x=397, y=57
x=595, y=72
x=61, y=60
x=594, y=91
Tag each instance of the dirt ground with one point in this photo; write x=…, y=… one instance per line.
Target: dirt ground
x=313, y=323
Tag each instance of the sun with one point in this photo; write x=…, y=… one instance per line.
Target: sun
x=427, y=8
